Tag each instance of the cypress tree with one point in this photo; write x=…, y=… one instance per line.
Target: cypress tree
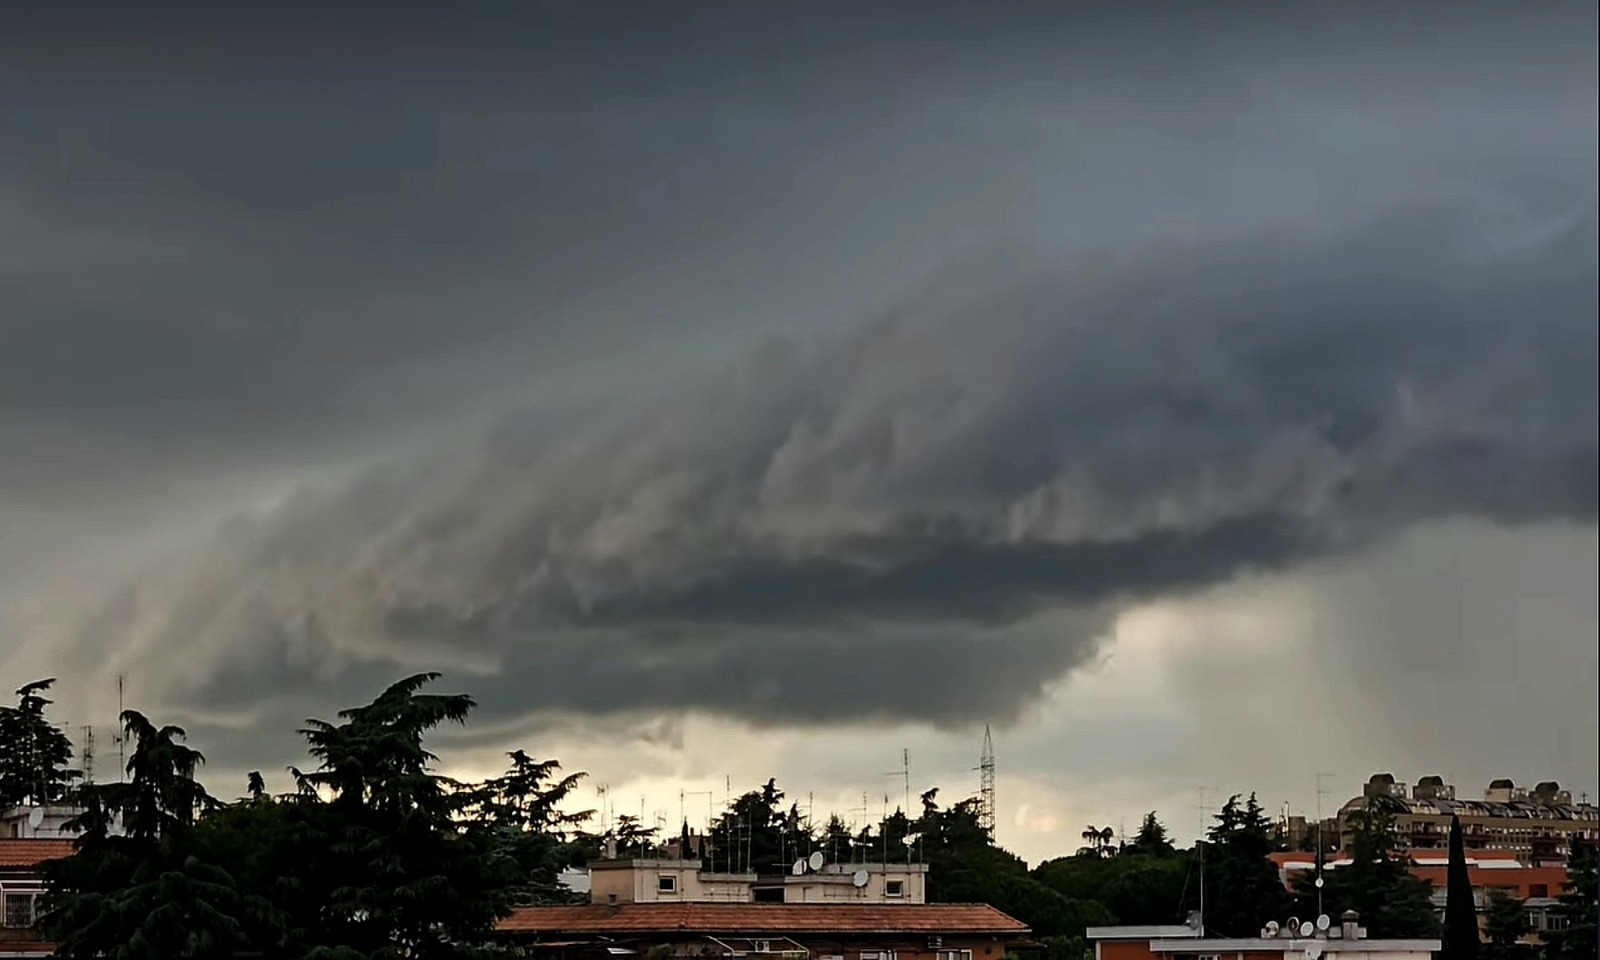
x=1460, y=914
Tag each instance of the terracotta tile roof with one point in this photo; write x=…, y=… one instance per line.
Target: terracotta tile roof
x=763, y=918
x=30, y=853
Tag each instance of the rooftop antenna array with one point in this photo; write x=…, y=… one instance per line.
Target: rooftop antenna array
x=986, y=811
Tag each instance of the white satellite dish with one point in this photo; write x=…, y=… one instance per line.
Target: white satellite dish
x=1292, y=926
x=35, y=817
x=1306, y=929
x=1272, y=928
x=816, y=861
x=1323, y=922
x=798, y=868
x=859, y=878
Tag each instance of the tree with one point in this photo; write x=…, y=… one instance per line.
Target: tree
x=1460, y=913
x=1243, y=890
x=1152, y=839
x=965, y=866
x=34, y=753
x=1378, y=884
x=1576, y=912
x=150, y=892
x=750, y=835
x=528, y=830
x=391, y=869
x=1505, y=924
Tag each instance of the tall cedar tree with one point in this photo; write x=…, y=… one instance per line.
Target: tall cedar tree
x=34, y=753
x=1577, y=910
x=1378, y=883
x=149, y=893
x=1460, y=913
x=1243, y=890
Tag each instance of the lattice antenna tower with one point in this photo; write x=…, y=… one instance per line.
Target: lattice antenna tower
x=986, y=783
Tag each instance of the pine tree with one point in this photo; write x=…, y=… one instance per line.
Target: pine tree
x=1578, y=909
x=1460, y=914
x=34, y=753
x=1243, y=890
x=1152, y=838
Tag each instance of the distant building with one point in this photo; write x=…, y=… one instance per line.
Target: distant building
x=1344, y=940
x=1536, y=826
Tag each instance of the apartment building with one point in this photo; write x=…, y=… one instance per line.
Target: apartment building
x=1536, y=826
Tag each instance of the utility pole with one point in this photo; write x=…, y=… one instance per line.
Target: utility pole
x=986, y=806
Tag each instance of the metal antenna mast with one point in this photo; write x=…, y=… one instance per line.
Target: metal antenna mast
x=986, y=811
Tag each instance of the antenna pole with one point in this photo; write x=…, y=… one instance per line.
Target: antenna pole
x=122, y=736
x=1318, y=881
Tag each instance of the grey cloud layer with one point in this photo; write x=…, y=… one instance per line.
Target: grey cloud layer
x=868, y=527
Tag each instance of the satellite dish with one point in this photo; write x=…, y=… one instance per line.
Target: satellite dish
x=1319, y=883
x=1272, y=928
x=798, y=868
x=1306, y=929
x=816, y=861
x=1292, y=925
x=1323, y=922
x=858, y=879
x=35, y=817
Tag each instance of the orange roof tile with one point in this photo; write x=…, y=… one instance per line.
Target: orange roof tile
x=30, y=853
x=763, y=918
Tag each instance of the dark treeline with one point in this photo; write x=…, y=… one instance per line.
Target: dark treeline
x=375, y=855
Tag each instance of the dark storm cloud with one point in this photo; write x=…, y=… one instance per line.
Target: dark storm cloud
x=277, y=242
x=892, y=516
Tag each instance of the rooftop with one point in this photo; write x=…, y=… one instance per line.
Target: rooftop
x=1298, y=946
x=1159, y=931
x=763, y=918
x=27, y=854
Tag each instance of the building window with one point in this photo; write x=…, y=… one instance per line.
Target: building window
x=894, y=888
x=666, y=883
x=953, y=955
x=877, y=955
x=1209, y=956
x=19, y=910
x=1538, y=890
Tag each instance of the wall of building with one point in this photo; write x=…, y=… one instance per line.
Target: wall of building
x=641, y=881
x=683, y=881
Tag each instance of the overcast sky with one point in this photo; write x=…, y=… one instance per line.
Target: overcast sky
x=1202, y=395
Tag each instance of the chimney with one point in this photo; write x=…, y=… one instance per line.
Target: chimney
x=1350, y=925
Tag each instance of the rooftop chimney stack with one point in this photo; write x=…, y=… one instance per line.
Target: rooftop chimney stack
x=1350, y=925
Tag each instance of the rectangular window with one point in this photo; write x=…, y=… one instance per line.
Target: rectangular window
x=953, y=955
x=666, y=883
x=1538, y=890
x=19, y=910
x=894, y=888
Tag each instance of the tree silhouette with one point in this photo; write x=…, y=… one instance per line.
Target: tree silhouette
x=1460, y=914
x=34, y=753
